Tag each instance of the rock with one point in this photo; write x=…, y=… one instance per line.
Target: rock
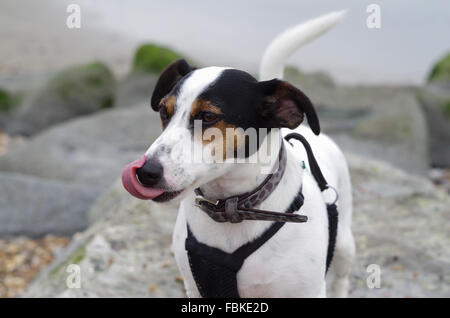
x=35, y=207
x=90, y=150
x=385, y=123
x=5, y=100
x=135, y=88
x=400, y=223
x=8, y=103
x=126, y=253
x=394, y=131
x=312, y=79
x=153, y=58
x=73, y=92
x=435, y=101
x=441, y=70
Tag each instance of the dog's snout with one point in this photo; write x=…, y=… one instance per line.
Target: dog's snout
x=150, y=173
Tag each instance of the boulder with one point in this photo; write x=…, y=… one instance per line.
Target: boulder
x=76, y=91
x=441, y=70
x=5, y=100
x=125, y=253
x=310, y=79
x=400, y=223
x=35, y=207
x=435, y=101
x=8, y=103
x=153, y=58
x=90, y=150
x=386, y=123
x=135, y=88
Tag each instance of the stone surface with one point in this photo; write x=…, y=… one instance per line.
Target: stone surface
x=400, y=223
x=5, y=100
x=153, y=58
x=125, y=253
x=76, y=91
x=35, y=207
x=435, y=100
x=135, y=88
x=90, y=150
x=385, y=123
x=441, y=70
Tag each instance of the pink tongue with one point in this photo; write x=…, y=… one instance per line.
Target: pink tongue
x=132, y=184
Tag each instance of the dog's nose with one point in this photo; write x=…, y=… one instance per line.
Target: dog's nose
x=150, y=173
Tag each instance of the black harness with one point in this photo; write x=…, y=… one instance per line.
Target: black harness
x=214, y=270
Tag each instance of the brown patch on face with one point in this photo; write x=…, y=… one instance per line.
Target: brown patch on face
x=231, y=140
x=201, y=105
x=167, y=106
x=169, y=103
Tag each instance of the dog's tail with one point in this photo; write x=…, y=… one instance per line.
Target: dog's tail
x=284, y=45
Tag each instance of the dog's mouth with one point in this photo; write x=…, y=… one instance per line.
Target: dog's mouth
x=132, y=184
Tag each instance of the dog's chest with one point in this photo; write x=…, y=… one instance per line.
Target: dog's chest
x=290, y=264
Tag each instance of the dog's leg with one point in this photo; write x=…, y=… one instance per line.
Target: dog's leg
x=343, y=258
x=323, y=291
x=344, y=253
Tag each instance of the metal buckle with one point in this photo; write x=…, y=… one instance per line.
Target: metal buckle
x=335, y=191
x=199, y=200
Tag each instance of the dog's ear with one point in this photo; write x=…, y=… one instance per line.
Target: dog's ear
x=285, y=106
x=167, y=80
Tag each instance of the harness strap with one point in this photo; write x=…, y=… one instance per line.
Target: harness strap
x=215, y=271
x=314, y=166
x=332, y=232
x=323, y=185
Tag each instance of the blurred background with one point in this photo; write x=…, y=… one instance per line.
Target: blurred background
x=74, y=109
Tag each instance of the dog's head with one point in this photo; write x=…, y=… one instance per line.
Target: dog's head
x=214, y=101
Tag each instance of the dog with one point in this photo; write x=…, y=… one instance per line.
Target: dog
x=292, y=262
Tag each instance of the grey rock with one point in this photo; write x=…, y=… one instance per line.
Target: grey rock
x=73, y=92
x=135, y=88
x=435, y=100
x=34, y=207
x=310, y=79
x=385, y=123
x=400, y=223
x=91, y=150
x=126, y=253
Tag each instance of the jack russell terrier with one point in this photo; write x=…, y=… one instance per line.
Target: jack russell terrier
x=241, y=232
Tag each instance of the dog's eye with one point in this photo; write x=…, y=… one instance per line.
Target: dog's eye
x=208, y=117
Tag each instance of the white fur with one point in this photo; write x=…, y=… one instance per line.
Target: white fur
x=179, y=171
x=291, y=263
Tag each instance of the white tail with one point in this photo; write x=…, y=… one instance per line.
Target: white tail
x=284, y=45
